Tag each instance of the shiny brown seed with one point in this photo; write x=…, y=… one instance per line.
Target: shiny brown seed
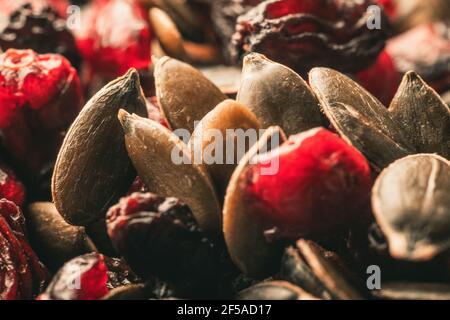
x=275, y=290
x=413, y=291
x=423, y=114
x=164, y=164
x=167, y=33
x=53, y=238
x=278, y=96
x=129, y=292
x=245, y=240
x=360, y=118
x=411, y=202
x=328, y=272
x=184, y=94
x=214, y=147
x=93, y=170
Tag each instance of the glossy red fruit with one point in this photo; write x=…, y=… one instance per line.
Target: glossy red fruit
x=40, y=96
x=10, y=187
x=113, y=37
x=82, y=278
x=389, y=6
x=321, y=187
x=22, y=276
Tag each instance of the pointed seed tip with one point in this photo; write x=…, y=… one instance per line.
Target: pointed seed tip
x=123, y=116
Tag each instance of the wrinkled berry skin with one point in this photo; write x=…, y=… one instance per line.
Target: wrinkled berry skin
x=320, y=189
x=10, y=187
x=40, y=96
x=22, y=275
x=159, y=237
x=114, y=36
x=82, y=278
x=39, y=26
x=307, y=33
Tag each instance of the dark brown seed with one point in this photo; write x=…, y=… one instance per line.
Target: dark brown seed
x=245, y=240
x=411, y=202
x=328, y=271
x=413, y=291
x=274, y=290
x=164, y=164
x=228, y=115
x=423, y=114
x=278, y=96
x=93, y=170
x=360, y=118
x=184, y=94
x=129, y=292
x=295, y=269
x=53, y=238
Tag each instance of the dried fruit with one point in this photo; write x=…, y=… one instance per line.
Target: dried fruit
x=53, y=238
x=246, y=244
x=39, y=97
x=160, y=237
x=10, y=187
x=114, y=36
x=278, y=96
x=22, y=275
x=275, y=290
x=431, y=64
x=93, y=170
x=321, y=187
x=154, y=149
x=220, y=162
x=82, y=278
x=384, y=136
x=308, y=33
x=184, y=94
x=411, y=203
x=37, y=25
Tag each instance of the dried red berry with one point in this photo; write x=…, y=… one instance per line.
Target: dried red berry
x=82, y=278
x=40, y=96
x=307, y=33
x=22, y=267
x=114, y=36
x=10, y=187
x=322, y=187
x=159, y=237
x=384, y=69
x=38, y=26
x=430, y=57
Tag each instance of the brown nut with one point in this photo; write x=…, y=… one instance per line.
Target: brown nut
x=274, y=290
x=278, y=96
x=228, y=115
x=423, y=115
x=411, y=202
x=93, y=170
x=359, y=117
x=55, y=241
x=184, y=94
x=245, y=240
x=164, y=164
x=413, y=291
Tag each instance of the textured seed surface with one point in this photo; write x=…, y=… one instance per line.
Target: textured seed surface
x=274, y=290
x=184, y=94
x=413, y=291
x=164, y=164
x=228, y=115
x=411, y=203
x=245, y=240
x=423, y=115
x=359, y=117
x=278, y=96
x=93, y=169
